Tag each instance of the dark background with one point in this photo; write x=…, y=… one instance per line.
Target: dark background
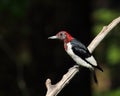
x=28, y=58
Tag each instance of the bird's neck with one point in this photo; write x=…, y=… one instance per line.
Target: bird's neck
x=68, y=39
x=66, y=42
x=65, y=46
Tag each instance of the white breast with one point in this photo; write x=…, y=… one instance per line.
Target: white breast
x=76, y=58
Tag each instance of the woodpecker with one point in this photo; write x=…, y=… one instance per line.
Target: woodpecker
x=78, y=52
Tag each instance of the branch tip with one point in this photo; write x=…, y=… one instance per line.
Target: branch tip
x=48, y=83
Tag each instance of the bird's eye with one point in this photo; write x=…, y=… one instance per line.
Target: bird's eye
x=61, y=34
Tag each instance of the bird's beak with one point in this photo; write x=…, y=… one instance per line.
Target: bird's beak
x=53, y=37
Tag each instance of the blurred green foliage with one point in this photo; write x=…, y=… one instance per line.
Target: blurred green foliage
x=113, y=54
x=16, y=7
x=109, y=93
x=102, y=18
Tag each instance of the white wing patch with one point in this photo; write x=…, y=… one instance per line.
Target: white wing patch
x=92, y=60
x=79, y=60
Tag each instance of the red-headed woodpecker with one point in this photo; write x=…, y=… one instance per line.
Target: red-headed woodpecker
x=77, y=51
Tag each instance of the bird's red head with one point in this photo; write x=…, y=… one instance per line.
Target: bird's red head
x=62, y=35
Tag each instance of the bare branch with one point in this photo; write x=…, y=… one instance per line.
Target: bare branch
x=53, y=90
x=102, y=34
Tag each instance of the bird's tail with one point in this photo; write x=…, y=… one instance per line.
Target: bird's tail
x=94, y=76
x=98, y=67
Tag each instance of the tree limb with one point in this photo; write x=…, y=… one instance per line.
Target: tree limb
x=102, y=34
x=53, y=90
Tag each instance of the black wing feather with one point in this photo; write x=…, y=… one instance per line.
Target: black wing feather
x=80, y=49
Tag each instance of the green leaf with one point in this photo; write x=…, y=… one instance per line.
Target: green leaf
x=113, y=54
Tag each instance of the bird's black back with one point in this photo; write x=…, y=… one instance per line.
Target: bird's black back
x=80, y=49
